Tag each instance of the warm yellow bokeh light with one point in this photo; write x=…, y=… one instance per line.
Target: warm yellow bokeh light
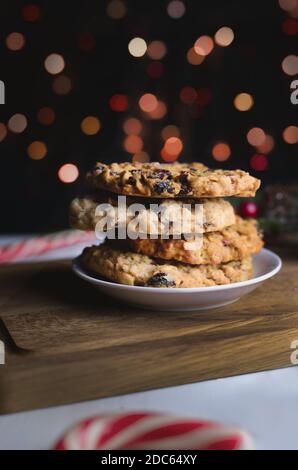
x=256, y=136
x=68, y=173
x=54, y=63
x=116, y=9
x=290, y=135
x=133, y=143
x=156, y=50
x=15, y=41
x=193, y=58
x=37, y=150
x=141, y=157
x=148, y=102
x=90, y=125
x=243, y=101
x=17, y=123
x=170, y=131
x=221, y=151
x=204, y=45
x=3, y=131
x=132, y=126
x=290, y=64
x=224, y=36
x=137, y=47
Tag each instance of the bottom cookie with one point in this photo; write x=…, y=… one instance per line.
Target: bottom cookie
x=135, y=269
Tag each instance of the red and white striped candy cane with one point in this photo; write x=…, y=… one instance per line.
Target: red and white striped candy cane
x=154, y=431
x=42, y=244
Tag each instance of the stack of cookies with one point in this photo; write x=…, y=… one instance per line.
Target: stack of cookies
x=223, y=254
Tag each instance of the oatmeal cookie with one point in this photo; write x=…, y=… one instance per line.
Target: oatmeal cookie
x=171, y=180
x=230, y=244
x=134, y=269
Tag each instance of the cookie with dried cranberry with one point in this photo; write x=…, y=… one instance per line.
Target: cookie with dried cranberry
x=171, y=180
x=230, y=244
x=126, y=267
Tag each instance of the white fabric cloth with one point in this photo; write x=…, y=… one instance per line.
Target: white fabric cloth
x=265, y=404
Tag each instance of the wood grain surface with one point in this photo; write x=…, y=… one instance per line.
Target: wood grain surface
x=67, y=342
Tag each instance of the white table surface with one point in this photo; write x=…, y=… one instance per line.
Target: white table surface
x=264, y=403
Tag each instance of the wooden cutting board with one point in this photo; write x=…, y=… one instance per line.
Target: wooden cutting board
x=66, y=342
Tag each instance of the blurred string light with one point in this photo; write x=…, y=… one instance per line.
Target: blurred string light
x=17, y=123
x=290, y=26
x=119, y=103
x=46, y=116
x=243, y=102
x=170, y=131
x=156, y=50
x=116, y=9
x=193, y=58
x=137, y=47
x=37, y=150
x=267, y=146
x=287, y=5
x=148, y=102
x=86, y=41
x=221, y=151
x=132, y=126
x=133, y=143
x=204, y=45
x=259, y=162
x=90, y=125
x=3, y=131
x=159, y=112
x=290, y=64
x=256, y=136
x=54, y=63
x=31, y=13
x=290, y=134
x=141, y=157
x=155, y=69
x=62, y=85
x=188, y=95
x=68, y=173
x=176, y=9
x=172, y=148
x=224, y=36
x=15, y=41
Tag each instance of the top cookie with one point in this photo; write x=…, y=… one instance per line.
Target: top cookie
x=171, y=180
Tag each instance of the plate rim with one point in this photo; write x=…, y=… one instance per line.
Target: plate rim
x=80, y=271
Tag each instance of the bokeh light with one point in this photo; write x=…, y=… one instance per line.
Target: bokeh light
x=141, y=157
x=221, y=151
x=287, y=5
x=204, y=45
x=159, y=112
x=132, y=126
x=68, y=173
x=267, y=146
x=62, y=85
x=259, y=162
x=290, y=26
x=243, y=102
x=31, y=13
x=155, y=69
x=188, y=95
x=54, y=63
x=148, y=102
x=176, y=9
x=290, y=134
x=90, y=125
x=170, y=131
x=173, y=146
x=133, y=143
x=118, y=103
x=37, y=150
x=137, y=47
x=86, y=41
x=290, y=64
x=157, y=50
x=46, y=116
x=193, y=58
x=116, y=9
x=17, y=123
x=3, y=131
x=15, y=41
x=224, y=36
x=256, y=136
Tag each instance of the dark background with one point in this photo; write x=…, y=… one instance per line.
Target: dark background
x=33, y=199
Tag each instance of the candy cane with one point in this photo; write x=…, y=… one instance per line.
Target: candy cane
x=152, y=431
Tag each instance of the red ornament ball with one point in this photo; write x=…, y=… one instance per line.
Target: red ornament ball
x=248, y=209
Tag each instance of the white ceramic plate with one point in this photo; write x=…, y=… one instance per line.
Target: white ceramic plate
x=266, y=264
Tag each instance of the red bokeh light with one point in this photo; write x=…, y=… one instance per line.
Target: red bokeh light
x=155, y=69
x=259, y=162
x=118, y=103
